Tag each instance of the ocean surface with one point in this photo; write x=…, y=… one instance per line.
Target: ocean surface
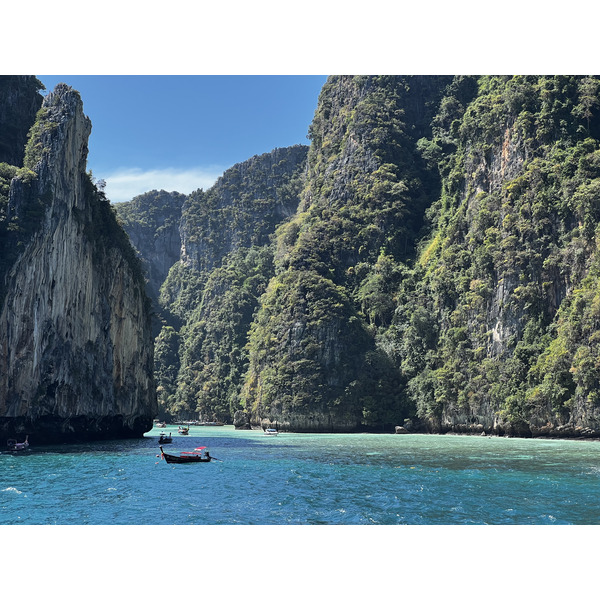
x=305, y=479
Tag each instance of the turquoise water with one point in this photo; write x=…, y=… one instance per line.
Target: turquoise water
x=328, y=479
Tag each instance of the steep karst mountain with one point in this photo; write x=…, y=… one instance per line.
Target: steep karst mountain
x=210, y=294
x=429, y=261
x=315, y=364
x=440, y=268
x=497, y=327
x=76, y=352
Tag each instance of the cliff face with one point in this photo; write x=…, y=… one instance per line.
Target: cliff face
x=76, y=352
x=508, y=278
x=19, y=102
x=152, y=222
x=210, y=294
x=242, y=208
x=314, y=361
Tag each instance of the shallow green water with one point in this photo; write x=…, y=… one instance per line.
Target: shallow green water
x=305, y=479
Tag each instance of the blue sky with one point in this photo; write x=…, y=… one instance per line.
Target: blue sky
x=180, y=132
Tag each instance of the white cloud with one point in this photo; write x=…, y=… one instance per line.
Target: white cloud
x=125, y=184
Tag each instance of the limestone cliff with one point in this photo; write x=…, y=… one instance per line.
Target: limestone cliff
x=242, y=208
x=152, y=222
x=76, y=354
x=19, y=102
x=211, y=293
x=497, y=329
x=314, y=364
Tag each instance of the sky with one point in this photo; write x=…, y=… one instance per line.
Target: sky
x=181, y=132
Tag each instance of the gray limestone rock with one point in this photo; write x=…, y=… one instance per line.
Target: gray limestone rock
x=76, y=353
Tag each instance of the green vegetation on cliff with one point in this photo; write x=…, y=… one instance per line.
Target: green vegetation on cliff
x=314, y=346
x=438, y=263
x=513, y=233
x=208, y=299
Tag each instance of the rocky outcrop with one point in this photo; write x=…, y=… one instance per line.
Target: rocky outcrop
x=242, y=208
x=241, y=420
x=76, y=353
x=19, y=102
x=152, y=222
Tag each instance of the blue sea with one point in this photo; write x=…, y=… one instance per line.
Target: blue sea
x=305, y=479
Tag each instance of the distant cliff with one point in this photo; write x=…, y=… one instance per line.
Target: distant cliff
x=152, y=221
x=76, y=353
x=209, y=296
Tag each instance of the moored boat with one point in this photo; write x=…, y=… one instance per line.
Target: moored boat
x=15, y=446
x=183, y=430
x=271, y=431
x=165, y=439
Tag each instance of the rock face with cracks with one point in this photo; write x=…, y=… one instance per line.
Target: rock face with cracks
x=76, y=353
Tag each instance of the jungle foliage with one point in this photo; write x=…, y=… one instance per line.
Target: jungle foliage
x=483, y=324
x=437, y=256
x=209, y=298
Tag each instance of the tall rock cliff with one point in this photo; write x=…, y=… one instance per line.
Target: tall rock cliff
x=76, y=353
x=19, y=102
x=152, y=222
x=496, y=329
x=209, y=297
x=314, y=360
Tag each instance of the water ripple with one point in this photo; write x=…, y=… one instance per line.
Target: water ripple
x=307, y=479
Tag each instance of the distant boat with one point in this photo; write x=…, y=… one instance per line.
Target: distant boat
x=15, y=446
x=271, y=431
x=187, y=457
x=183, y=430
x=165, y=439
x=161, y=425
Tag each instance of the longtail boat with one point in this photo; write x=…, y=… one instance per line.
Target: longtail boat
x=15, y=446
x=186, y=457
